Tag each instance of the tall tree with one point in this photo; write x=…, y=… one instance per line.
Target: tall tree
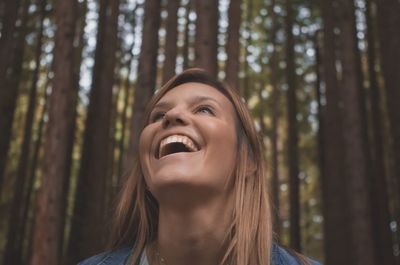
x=381, y=215
x=275, y=104
x=186, y=44
x=246, y=88
x=334, y=196
x=146, y=76
x=206, y=45
x=46, y=242
x=293, y=159
x=11, y=46
x=87, y=230
x=21, y=186
x=124, y=119
x=356, y=153
x=232, y=44
x=389, y=41
x=73, y=111
x=171, y=48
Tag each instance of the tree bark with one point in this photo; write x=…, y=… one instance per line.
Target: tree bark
x=389, y=42
x=124, y=120
x=73, y=113
x=30, y=207
x=206, y=45
x=293, y=159
x=146, y=76
x=87, y=231
x=7, y=40
x=11, y=56
x=356, y=153
x=46, y=242
x=171, y=48
x=381, y=215
x=232, y=45
x=334, y=195
x=21, y=186
x=275, y=104
x=245, y=89
x=185, y=48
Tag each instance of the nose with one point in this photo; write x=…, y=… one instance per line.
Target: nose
x=174, y=117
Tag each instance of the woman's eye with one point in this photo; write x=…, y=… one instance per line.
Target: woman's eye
x=157, y=116
x=205, y=109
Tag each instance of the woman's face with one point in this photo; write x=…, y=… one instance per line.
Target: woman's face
x=190, y=141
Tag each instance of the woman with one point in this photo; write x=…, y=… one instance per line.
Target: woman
x=198, y=194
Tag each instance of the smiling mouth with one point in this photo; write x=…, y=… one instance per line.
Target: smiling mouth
x=175, y=144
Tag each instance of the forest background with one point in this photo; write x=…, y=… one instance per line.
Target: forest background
x=322, y=79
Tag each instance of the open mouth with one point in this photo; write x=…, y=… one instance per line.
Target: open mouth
x=175, y=144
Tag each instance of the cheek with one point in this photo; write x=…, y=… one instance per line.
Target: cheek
x=145, y=141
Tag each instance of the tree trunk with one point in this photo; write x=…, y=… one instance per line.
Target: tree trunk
x=30, y=207
x=146, y=76
x=73, y=113
x=334, y=195
x=46, y=242
x=127, y=95
x=21, y=186
x=245, y=89
x=356, y=158
x=275, y=104
x=389, y=40
x=170, y=41
x=7, y=40
x=295, y=239
x=381, y=215
x=11, y=56
x=206, y=45
x=186, y=45
x=87, y=231
x=232, y=45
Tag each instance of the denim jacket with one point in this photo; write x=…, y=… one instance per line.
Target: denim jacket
x=279, y=257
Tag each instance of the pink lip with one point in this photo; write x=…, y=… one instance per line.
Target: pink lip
x=173, y=133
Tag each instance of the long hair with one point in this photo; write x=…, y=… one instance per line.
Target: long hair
x=249, y=239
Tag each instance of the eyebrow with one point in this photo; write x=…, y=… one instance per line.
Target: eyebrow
x=193, y=101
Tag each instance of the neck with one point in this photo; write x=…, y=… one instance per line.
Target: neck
x=194, y=236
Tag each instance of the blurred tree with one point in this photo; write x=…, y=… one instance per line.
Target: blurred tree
x=171, y=48
x=48, y=222
x=356, y=154
x=11, y=54
x=146, y=81
x=380, y=202
x=337, y=246
x=246, y=88
x=389, y=42
x=292, y=144
x=275, y=103
x=17, y=221
x=87, y=230
x=233, y=45
x=206, y=45
x=72, y=115
x=186, y=44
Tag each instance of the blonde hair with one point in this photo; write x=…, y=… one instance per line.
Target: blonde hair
x=249, y=240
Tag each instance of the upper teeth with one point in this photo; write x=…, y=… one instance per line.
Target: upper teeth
x=178, y=139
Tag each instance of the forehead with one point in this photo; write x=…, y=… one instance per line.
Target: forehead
x=193, y=91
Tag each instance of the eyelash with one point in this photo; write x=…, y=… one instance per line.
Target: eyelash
x=201, y=108
x=159, y=115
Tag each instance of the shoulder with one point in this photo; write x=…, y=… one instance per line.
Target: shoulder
x=117, y=257
x=281, y=256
